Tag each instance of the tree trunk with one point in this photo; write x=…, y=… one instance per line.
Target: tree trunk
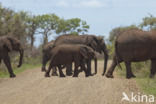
x=32, y=41
x=45, y=39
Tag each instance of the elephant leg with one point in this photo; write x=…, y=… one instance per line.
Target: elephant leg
x=60, y=71
x=69, y=69
x=43, y=69
x=109, y=74
x=54, y=72
x=76, y=71
x=8, y=65
x=48, y=71
x=84, y=69
x=110, y=71
x=95, y=63
x=129, y=73
x=89, y=68
x=44, y=62
x=153, y=68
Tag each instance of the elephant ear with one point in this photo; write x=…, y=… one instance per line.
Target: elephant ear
x=91, y=53
x=91, y=41
x=48, y=47
x=94, y=45
x=7, y=45
x=83, y=52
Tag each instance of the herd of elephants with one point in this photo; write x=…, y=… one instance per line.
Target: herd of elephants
x=130, y=46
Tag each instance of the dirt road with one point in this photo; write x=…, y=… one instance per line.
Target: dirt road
x=31, y=87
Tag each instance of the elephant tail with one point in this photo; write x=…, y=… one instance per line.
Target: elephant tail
x=117, y=56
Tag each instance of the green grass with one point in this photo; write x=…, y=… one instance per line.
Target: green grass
x=16, y=70
x=147, y=85
x=141, y=70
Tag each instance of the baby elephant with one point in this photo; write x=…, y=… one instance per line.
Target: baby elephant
x=66, y=54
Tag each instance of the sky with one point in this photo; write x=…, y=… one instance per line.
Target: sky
x=101, y=15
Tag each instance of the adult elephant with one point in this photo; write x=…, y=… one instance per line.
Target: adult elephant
x=96, y=43
x=68, y=53
x=8, y=44
x=133, y=46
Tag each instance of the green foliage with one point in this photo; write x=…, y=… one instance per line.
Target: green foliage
x=32, y=26
x=72, y=26
x=149, y=22
x=12, y=23
x=148, y=85
x=117, y=31
x=25, y=26
x=111, y=49
x=47, y=25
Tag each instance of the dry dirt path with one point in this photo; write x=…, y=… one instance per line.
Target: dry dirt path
x=31, y=87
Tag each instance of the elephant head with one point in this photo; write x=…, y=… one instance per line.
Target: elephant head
x=46, y=54
x=87, y=52
x=98, y=44
x=14, y=45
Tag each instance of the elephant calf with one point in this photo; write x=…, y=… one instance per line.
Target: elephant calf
x=66, y=54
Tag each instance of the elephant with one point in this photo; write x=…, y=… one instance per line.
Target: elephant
x=134, y=46
x=96, y=43
x=66, y=54
x=8, y=44
x=46, y=55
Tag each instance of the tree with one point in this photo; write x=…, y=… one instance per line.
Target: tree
x=12, y=23
x=5, y=20
x=47, y=25
x=72, y=26
x=148, y=23
x=25, y=26
x=32, y=26
x=117, y=31
x=18, y=26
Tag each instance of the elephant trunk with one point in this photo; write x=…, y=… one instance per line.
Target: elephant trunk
x=44, y=62
x=95, y=63
x=21, y=51
x=105, y=60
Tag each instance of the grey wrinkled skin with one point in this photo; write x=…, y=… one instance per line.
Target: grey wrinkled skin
x=8, y=44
